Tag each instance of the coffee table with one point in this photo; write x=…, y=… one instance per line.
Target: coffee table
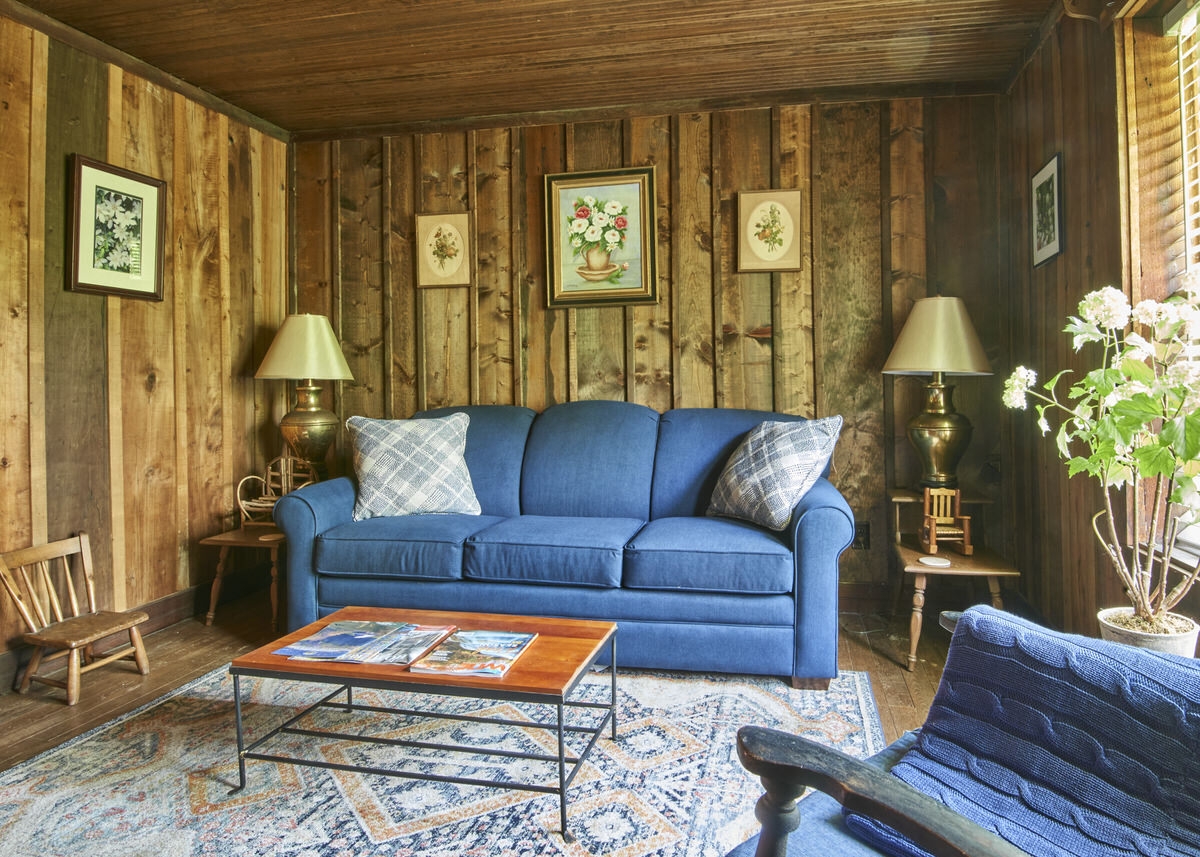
x=547, y=672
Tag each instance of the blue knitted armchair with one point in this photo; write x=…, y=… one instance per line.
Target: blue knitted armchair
x=1036, y=742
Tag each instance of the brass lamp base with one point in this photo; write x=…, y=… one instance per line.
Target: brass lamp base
x=940, y=434
x=309, y=429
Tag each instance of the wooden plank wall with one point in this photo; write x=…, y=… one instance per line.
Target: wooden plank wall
x=130, y=419
x=809, y=342
x=1086, y=93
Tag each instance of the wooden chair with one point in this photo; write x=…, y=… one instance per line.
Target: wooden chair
x=47, y=583
x=945, y=522
x=256, y=495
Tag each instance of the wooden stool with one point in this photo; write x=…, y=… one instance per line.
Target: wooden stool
x=266, y=536
x=983, y=563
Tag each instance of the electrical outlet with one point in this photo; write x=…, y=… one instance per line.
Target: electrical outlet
x=862, y=536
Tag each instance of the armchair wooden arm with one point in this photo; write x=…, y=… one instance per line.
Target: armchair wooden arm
x=787, y=764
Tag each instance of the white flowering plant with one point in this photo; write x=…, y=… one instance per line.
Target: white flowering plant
x=597, y=223
x=1133, y=421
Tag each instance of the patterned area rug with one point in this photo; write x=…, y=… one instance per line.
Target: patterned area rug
x=157, y=781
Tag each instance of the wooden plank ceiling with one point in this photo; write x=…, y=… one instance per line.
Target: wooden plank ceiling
x=330, y=68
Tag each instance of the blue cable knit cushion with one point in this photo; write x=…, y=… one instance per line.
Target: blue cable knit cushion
x=1062, y=745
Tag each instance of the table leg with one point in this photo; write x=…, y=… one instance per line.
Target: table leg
x=241, y=748
x=562, y=777
x=994, y=588
x=216, y=587
x=274, y=587
x=914, y=628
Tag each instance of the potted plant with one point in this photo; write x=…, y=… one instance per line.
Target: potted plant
x=1134, y=421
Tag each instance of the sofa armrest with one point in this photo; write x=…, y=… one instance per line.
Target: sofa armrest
x=303, y=515
x=787, y=764
x=822, y=527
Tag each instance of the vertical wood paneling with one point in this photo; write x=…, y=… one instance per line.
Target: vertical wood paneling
x=202, y=305
x=544, y=342
x=907, y=251
x=360, y=307
x=145, y=375
x=444, y=314
x=243, y=266
x=964, y=246
x=598, y=342
x=39, y=82
x=493, y=286
x=76, y=433
x=692, y=262
x=130, y=418
x=744, y=300
x=650, y=338
x=270, y=174
x=849, y=311
x=16, y=68
x=792, y=321
x=1065, y=102
x=401, y=295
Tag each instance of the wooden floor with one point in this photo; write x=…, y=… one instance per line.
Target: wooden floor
x=40, y=720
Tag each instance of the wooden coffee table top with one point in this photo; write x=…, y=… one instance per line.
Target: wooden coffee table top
x=551, y=666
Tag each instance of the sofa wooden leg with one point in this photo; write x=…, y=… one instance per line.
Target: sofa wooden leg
x=810, y=683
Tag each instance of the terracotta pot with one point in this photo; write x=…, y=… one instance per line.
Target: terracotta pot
x=596, y=258
x=1183, y=643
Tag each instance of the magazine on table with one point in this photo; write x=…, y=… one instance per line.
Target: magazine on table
x=488, y=653
x=398, y=643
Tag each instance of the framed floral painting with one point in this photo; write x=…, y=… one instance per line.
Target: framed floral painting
x=118, y=224
x=443, y=250
x=600, y=238
x=769, y=230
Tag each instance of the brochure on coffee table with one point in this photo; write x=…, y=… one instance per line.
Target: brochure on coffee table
x=398, y=643
x=488, y=653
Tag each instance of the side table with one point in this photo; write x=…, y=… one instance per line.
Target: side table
x=983, y=563
x=264, y=536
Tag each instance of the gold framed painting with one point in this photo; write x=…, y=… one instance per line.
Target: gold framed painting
x=118, y=224
x=443, y=250
x=769, y=230
x=601, y=245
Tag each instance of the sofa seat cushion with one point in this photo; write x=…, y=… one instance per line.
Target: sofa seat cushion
x=542, y=549
x=708, y=555
x=411, y=546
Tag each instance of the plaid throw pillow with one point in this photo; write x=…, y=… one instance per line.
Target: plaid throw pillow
x=772, y=468
x=411, y=467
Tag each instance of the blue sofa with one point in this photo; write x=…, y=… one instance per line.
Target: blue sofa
x=594, y=510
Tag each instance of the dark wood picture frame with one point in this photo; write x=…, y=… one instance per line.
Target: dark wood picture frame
x=118, y=226
x=1046, y=226
x=601, y=240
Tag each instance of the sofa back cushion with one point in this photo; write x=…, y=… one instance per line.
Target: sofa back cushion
x=590, y=459
x=693, y=446
x=495, y=446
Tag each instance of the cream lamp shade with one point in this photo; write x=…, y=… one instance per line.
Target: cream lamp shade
x=305, y=349
x=938, y=339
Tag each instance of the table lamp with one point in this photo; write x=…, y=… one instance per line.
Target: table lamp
x=305, y=349
x=938, y=339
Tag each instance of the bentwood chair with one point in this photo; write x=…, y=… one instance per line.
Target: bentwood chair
x=53, y=589
x=1036, y=742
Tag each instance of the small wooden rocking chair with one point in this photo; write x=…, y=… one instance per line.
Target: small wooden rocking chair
x=46, y=583
x=944, y=522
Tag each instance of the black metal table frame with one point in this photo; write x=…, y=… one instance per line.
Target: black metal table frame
x=568, y=766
